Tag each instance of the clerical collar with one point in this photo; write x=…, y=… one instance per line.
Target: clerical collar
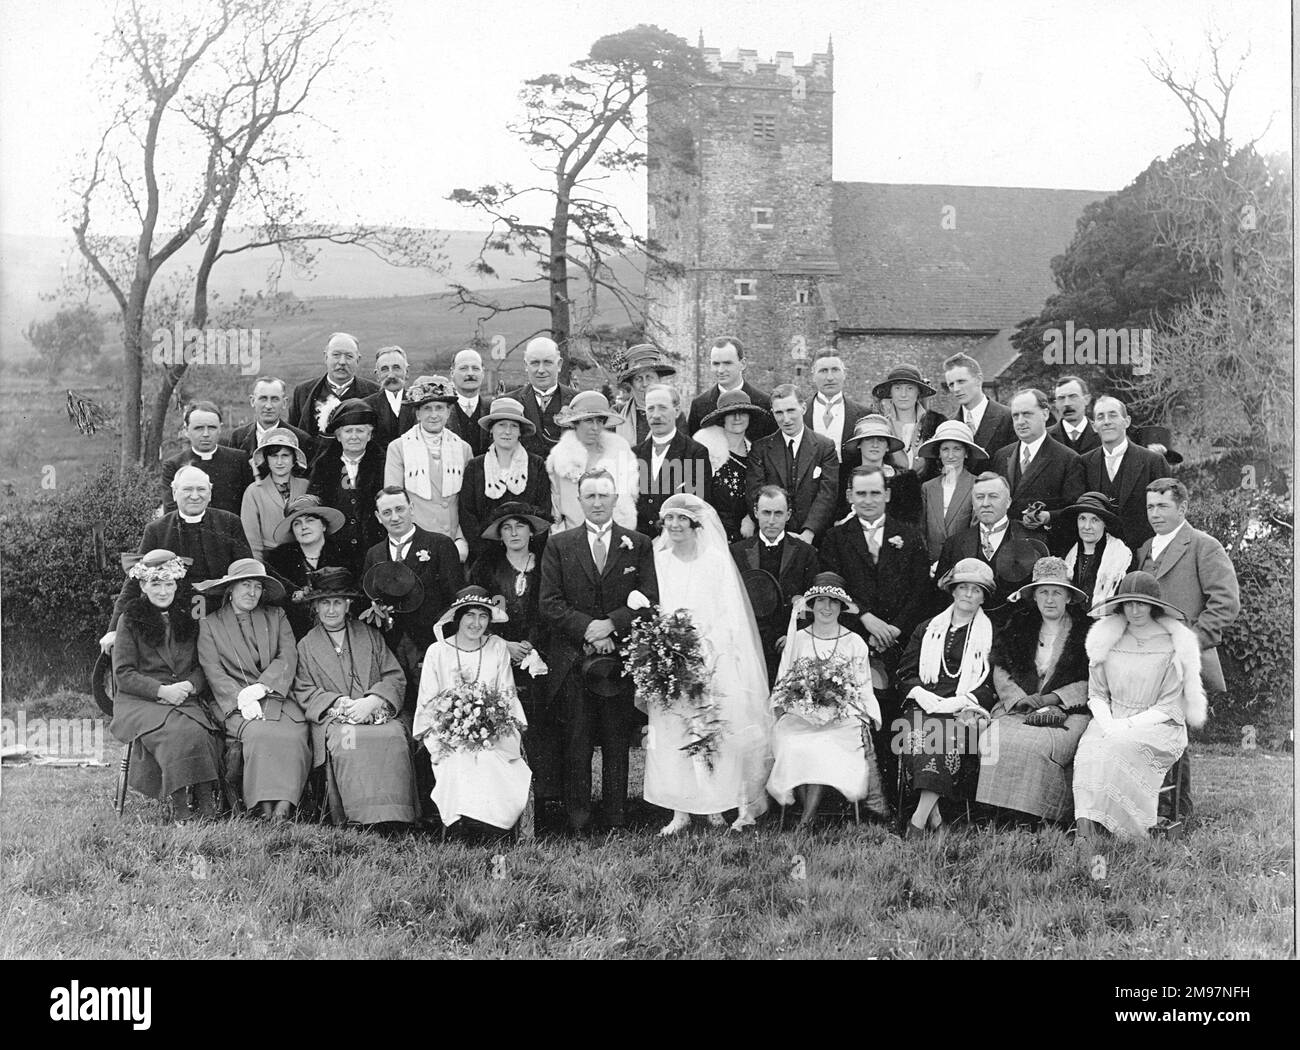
x=659, y=442
x=205, y=456
x=187, y=519
x=996, y=527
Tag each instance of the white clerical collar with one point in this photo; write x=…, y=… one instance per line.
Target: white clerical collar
x=205, y=456
x=1120, y=449
x=656, y=440
x=189, y=520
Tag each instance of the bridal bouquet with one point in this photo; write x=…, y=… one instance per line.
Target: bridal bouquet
x=470, y=717
x=820, y=691
x=669, y=670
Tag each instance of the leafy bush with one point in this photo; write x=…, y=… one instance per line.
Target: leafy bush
x=60, y=580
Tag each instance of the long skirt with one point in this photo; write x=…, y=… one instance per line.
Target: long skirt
x=1117, y=774
x=488, y=786
x=684, y=783
x=940, y=754
x=184, y=750
x=369, y=776
x=1029, y=768
x=832, y=754
x=277, y=759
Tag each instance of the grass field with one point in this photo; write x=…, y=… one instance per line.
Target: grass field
x=77, y=882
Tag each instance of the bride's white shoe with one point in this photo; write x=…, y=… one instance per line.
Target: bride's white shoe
x=679, y=823
x=742, y=822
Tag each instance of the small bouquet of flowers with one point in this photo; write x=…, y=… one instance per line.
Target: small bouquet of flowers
x=470, y=716
x=382, y=714
x=666, y=659
x=820, y=691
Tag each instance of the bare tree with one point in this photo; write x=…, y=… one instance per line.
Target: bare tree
x=200, y=148
x=583, y=125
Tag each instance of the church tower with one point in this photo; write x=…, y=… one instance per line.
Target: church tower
x=739, y=186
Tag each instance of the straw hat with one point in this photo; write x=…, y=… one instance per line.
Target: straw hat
x=874, y=426
x=969, y=570
x=952, y=430
x=1137, y=586
x=587, y=404
x=1050, y=572
x=507, y=409
x=245, y=569
x=279, y=437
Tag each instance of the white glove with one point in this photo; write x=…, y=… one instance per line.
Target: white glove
x=534, y=664
x=249, y=701
x=106, y=643
x=927, y=700
x=252, y=692
x=1101, y=713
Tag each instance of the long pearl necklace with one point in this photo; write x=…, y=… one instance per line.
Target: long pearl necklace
x=478, y=670
x=834, y=648
x=943, y=653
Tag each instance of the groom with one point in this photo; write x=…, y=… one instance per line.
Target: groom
x=588, y=573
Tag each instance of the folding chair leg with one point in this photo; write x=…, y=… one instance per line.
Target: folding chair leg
x=857, y=819
x=123, y=771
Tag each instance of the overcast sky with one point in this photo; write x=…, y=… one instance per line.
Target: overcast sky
x=999, y=93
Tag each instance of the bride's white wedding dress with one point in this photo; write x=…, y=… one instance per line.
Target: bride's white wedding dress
x=708, y=586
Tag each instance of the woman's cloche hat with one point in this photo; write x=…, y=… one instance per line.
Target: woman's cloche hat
x=246, y=569
x=519, y=512
x=952, y=430
x=279, y=437
x=329, y=582
x=472, y=597
x=507, y=410
x=1137, y=586
x=902, y=374
x=1050, y=572
x=733, y=401
x=969, y=570
x=587, y=404
x=306, y=506
x=874, y=426
x=830, y=585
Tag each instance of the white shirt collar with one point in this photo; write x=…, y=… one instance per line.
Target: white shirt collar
x=468, y=404
x=728, y=389
x=771, y=543
x=395, y=399
x=655, y=440
x=1120, y=449
x=546, y=393
x=1074, y=431
x=599, y=530
x=403, y=540
x=997, y=526
x=1033, y=446
x=878, y=523
x=837, y=400
x=1159, y=543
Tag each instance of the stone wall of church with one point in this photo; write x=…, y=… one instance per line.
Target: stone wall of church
x=868, y=359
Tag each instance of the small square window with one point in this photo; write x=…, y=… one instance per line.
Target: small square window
x=801, y=297
x=746, y=289
x=762, y=218
x=764, y=127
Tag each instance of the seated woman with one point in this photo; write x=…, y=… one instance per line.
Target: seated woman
x=724, y=433
x=812, y=753
x=247, y=651
x=1144, y=689
x=509, y=566
x=946, y=501
x=305, y=544
x=158, y=708
x=505, y=473
x=1101, y=558
x=945, y=674
x=281, y=469
x=1040, y=673
x=489, y=785
x=351, y=686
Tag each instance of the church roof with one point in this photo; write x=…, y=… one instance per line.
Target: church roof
x=988, y=267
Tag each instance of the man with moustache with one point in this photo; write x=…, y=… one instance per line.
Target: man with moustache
x=394, y=416
x=469, y=407
x=542, y=396
x=227, y=469
x=727, y=362
x=315, y=400
x=1122, y=470
x=991, y=496
x=1072, y=429
x=269, y=405
x=669, y=461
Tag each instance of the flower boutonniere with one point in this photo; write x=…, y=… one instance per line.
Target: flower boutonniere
x=626, y=543
x=896, y=542
x=422, y=555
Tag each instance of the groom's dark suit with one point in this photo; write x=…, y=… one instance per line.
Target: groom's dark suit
x=572, y=595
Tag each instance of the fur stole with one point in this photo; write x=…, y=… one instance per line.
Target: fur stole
x=1187, y=658
x=146, y=621
x=713, y=439
x=1115, y=560
x=1016, y=645
x=568, y=459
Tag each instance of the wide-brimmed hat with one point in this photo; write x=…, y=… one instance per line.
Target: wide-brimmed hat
x=602, y=674
x=969, y=570
x=902, y=374
x=874, y=426
x=1050, y=572
x=329, y=582
x=519, y=512
x=101, y=683
x=507, y=410
x=430, y=388
x=1137, y=586
x=393, y=584
x=1097, y=503
x=587, y=404
x=952, y=430
x=1147, y=436
x=302, y=507
x=830, y=585
x=245, y=569
x=472, y=597
x=644, y=357
x=352, y=412
x=279, y=437
x=1014, y=561
x=733, y=401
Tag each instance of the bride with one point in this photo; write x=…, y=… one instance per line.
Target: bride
x=696, y=573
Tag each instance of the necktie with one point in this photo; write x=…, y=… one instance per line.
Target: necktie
x=872, y=532
x=1112, y=465
x=986, y=540
x=789, y=460
x=829, y=414
x=1025, y=457
x=599, y=551
x=543, y=401
x=660, y=449
x=167, y=629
